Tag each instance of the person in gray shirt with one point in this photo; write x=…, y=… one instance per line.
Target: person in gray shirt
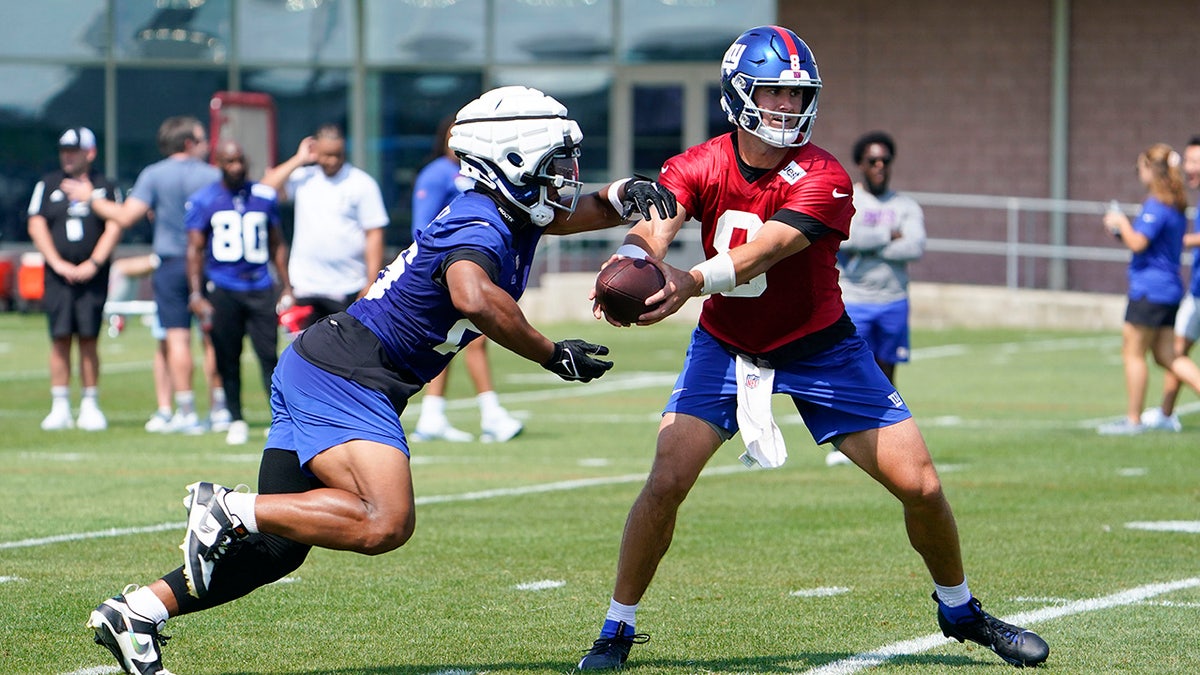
x=164, y=187
x=886, y=234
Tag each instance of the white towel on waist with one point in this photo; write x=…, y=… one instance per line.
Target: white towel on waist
x=764, y=441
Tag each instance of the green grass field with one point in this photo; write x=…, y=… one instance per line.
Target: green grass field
x=796, y=570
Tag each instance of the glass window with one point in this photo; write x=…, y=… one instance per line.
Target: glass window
x=687, y=30
x=718, y=120
x=412, y=105
x=304, y=100
x=172, y=29
x=36, y=104
x=54, y=28
x=146, y=97
x=586, y=93
x=657, y=126
x=296, y=31
x=427, y=32
x=552, y=30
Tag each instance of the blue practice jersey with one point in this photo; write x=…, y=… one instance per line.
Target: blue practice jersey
x=238, y=223
x=437, y=184
x=1154, y=273
x=408, y=307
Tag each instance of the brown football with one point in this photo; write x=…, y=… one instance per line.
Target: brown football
x=622, y=288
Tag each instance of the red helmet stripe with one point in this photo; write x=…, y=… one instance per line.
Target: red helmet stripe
x=786, y=36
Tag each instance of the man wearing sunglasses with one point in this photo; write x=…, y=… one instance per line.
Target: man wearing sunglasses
x=886, y=234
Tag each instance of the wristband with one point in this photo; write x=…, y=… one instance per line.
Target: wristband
x=155, y=261
x=614, y=200
x=95, y=262
x=719, y=274
x=197, y=295
x=632, y=251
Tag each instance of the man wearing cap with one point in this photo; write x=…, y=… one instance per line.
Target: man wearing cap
x=76, y=244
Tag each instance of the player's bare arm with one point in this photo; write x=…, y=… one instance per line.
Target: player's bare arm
x=196, y=253
x=494, y=312
x=277, y=175
x=613, y=204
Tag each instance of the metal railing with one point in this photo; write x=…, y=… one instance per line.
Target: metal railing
x=1020, y=230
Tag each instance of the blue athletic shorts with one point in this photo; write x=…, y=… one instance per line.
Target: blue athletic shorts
x=839, y=391
x=884, y=327
x=313, y=410
x=171, y=293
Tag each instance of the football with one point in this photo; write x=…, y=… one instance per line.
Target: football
x=622, y=288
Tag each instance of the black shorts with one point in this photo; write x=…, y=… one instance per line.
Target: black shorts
x=1142, y=312
x=75, y=309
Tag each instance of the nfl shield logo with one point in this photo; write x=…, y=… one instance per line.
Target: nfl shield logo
x=752, y=381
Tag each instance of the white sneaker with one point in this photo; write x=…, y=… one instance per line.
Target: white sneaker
x=1153, y=418
x=189, y=425
x=220, y=419
x=835, y=458
x=500, y=428
x=58, y=419
x=1122, y=427
x=440, y=432
x=158, y=423
x=90, y=418
x=238, y=434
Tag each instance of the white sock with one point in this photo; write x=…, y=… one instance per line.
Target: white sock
x=144, y=602
x=954, y=596
x=433, y=409
x=489, y=404
x=218, y=398
x=619, y=612
x=89, y=396
x=60, y=397
x=241, y=504
x=186, y=402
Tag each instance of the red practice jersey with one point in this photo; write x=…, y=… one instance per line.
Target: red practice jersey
x=799, y=295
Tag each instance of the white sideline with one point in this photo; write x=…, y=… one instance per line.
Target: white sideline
x=878, y=656
x=431, y=499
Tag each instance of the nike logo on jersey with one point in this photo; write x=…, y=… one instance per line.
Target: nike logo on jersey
x=838, y=194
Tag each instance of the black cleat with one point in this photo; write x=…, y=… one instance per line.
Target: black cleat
x=1014, y=644
x=609, y=653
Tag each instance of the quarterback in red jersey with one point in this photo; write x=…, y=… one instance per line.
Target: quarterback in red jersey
x=773, y=210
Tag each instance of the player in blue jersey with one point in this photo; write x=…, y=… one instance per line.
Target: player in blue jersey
x=233, y=236
x=335, y=471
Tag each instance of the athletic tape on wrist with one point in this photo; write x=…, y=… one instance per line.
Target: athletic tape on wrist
x=719, y=274
x=632, y=251
x=613, y=191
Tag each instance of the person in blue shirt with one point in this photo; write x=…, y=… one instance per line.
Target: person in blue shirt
x=335, y=472
x=233, y=237
x=437, y=184
x=1155, y=283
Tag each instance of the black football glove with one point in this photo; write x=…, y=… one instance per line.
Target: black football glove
x=642, y=192
x=576, y=360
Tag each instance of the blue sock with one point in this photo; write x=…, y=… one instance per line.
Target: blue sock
x=609, y=629
x=964, y=612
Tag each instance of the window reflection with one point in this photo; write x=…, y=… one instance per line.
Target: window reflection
x=54, y=28
x=296, y=31
x=429, y=32
x=687, y=30
x=552, y=30
x=172, y=30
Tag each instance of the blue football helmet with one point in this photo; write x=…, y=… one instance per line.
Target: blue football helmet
x=770, y=56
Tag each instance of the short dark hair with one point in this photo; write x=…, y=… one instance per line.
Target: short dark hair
x=331, y=131
x=1195, y=140
x=870, y=138
x=175, y=132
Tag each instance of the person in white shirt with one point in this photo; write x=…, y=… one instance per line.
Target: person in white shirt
x=337, y=241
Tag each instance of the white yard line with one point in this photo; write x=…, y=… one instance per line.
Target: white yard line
x=557, y=486
x=882, y=654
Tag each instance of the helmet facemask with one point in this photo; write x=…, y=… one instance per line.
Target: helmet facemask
x=778, y=129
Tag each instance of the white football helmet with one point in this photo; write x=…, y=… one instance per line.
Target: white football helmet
x=519, y=142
